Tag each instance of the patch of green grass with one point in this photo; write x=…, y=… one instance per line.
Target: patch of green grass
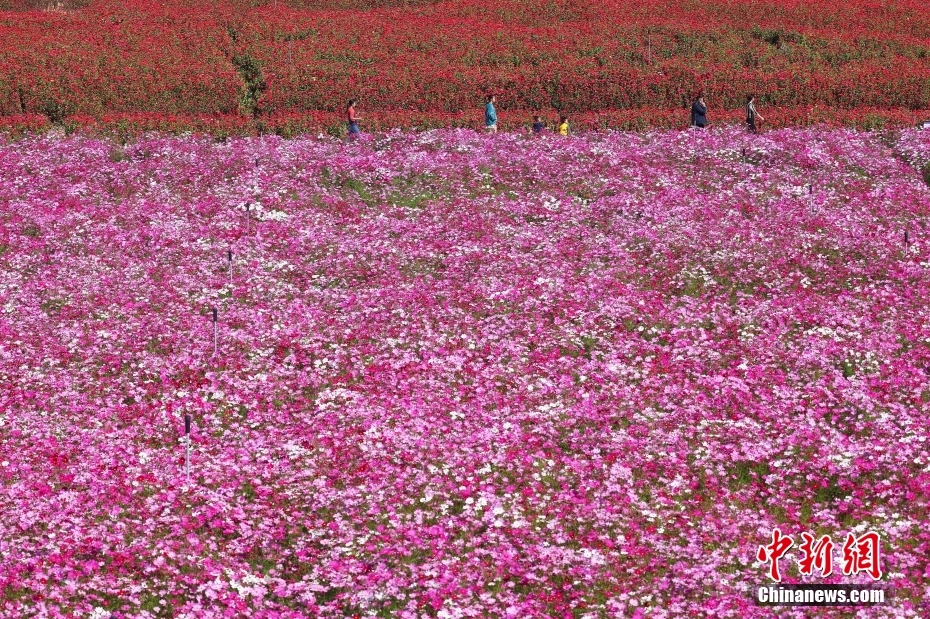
x=298, y=35
x=416, y=556
x=458, y=507
x=325, y=597
x=411, y=200
x=872, y=122
x=692, y=287
x=53, y=306
x=391, y=609
x=806, y=513
x=848, y=368
x=151, y=602
x=587, y=343
x=13, y=594
x=745, y=473
x=155, y=347
x=248, y=491
x=259, y=561
x=830, y=493
x=106, y=600
x=423, y=266
x=776, y=36
x=858, y=171
x=361, y=189
x=414, y=191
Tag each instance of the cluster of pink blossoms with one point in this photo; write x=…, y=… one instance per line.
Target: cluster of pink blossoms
x=459, y=375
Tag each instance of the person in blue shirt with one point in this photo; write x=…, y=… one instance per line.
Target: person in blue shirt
x=538, y=125
x=490, y=115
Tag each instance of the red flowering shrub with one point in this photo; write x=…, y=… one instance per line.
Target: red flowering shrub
x=125, y=59
x=42, y=5
x=355, y=5
x=23, y=123
x=294, y=64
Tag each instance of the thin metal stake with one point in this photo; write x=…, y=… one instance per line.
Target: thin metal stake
x=214, y=331
x=229, y=257
x=187, y=446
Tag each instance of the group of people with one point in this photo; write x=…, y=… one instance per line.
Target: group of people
x=490, y=119
x=699, y=113
x=698, y=116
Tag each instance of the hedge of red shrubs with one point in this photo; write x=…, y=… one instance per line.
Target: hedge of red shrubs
x=245, y=66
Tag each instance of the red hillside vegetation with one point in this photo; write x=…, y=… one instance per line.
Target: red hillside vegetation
x=249, y=66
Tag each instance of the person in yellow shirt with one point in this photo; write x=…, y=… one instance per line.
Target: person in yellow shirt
x=563, y=126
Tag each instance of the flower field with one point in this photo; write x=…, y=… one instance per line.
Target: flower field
x=247, y=67
x=459, y=375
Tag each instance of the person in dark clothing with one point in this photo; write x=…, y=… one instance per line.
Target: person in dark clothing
x=699, y=112
x=538, y=125
x=752, y=116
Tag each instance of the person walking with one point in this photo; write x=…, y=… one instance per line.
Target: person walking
x=699, y=112
x=563, y=126
x=353, y=120
x=752, y=116
x=538, y=125
x=490, y=115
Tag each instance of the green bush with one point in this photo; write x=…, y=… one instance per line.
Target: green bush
x=254, y=82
